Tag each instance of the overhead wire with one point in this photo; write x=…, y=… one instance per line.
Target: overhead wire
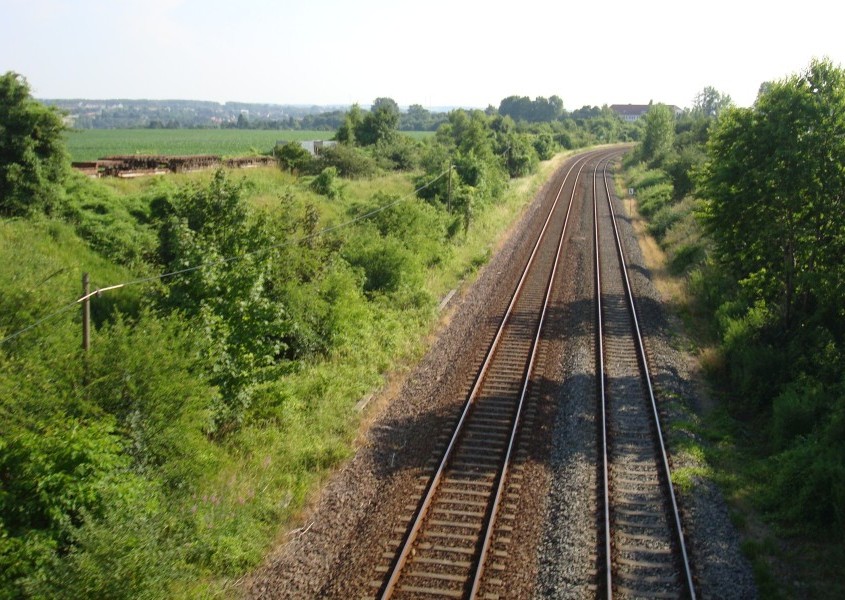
x=229, y=259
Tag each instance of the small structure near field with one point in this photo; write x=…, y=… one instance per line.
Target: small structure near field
x=138, y=165
x=634, y=112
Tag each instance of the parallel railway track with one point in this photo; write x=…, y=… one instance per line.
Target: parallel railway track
x=455, y=538
x=644, y=550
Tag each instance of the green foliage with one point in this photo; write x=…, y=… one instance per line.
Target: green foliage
x=808, y=491
x=350, y=162
x=162, y=405
x=766, y=271
x=658, y=135
x=116, y=226
x=522, y=108
x=212, y=400
x=386, y=262
x=33, y=159
x=400, y=153
x=522, y=158
x=377, y=125
x=774, y=176
x=326, y=184
x=545, y=146
x=418, y=118
x=293, y=157
x=710, y=102
x=231, y=295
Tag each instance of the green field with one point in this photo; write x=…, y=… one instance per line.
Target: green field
x=91, y=144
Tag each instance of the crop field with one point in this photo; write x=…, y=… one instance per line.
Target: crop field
x=91, y=144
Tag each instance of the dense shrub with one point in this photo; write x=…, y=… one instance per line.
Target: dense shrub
x=349, y=161
x=399, y=153
x=326, y=184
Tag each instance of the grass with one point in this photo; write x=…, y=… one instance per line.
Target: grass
x=91, y=144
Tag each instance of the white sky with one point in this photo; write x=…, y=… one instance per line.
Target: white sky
x=434, y=53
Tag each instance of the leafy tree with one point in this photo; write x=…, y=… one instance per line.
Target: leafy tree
x=379, y=124
x=545, y=146
x=775, y=180
x=709, y=102
x=399, y=153
x=293, y=157
x=419, y=119
x=521, y=158
x=346, y=134
x=522, y=108
x=659, y=133
x=33, y=159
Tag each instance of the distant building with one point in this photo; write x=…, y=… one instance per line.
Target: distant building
x=634, y=112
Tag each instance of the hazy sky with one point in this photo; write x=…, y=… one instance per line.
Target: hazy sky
x=434, y=53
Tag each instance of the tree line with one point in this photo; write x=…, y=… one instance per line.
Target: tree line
x=749, y=202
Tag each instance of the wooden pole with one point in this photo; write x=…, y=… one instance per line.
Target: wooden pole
x=86, y=314
x=449, y=193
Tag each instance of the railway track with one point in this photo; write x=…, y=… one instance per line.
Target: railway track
x=644, y=552
x=449, y=543
x=457, y=537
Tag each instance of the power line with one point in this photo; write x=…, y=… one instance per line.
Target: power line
x=223, y=261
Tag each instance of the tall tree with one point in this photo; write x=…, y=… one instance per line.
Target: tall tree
x=659, y=133
x=380, y=123
x=775, y=180
x=351, y=123
x=710, y=102
x=33, y=159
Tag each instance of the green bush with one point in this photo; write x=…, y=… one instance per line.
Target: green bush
x=293, y=157
x=350, y=162
x=545, y=146
x=326, y=184
x=385, y=261
x=398, y=153
x=654, y=197
x=808, y=487
x=796, y=411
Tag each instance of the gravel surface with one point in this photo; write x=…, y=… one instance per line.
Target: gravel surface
x=347, y=537
x=719, y=567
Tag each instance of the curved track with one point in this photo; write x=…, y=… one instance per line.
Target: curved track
x=644, y=549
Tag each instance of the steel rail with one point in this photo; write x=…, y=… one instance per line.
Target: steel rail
x=641, y=355
x=602, y=393
x=476, y=584
x=390, y=585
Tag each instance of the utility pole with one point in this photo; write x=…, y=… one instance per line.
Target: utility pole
x=86, y=314
x=449, y=188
